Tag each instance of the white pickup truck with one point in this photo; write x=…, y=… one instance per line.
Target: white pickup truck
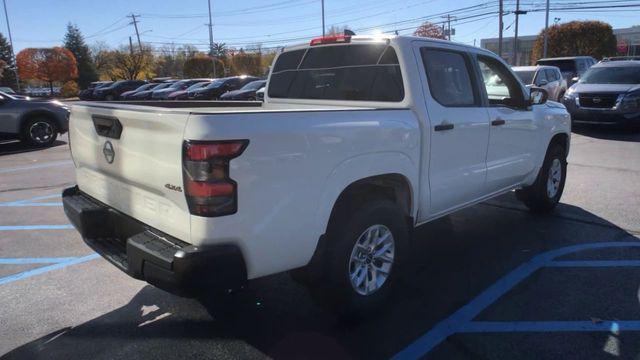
x=359, y=139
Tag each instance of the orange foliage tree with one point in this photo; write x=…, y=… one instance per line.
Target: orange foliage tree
x=51, y=65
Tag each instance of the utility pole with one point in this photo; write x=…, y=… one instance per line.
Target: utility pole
x=518, y=12
x=500, y=25
x=213, y=56
x=322, y=3
x=448, y=32
x=135, y=25
x=130, y=45
x=13, y=56
x=546, y=28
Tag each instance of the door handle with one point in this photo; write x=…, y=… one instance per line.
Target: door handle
x=498, y=122
x=443, y=127
x=107, y=126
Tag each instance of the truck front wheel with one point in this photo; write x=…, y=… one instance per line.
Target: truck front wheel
x=545, y=193
x=366, y=250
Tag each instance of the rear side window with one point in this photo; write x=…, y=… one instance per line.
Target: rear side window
x=449, y=77
x=361, y=72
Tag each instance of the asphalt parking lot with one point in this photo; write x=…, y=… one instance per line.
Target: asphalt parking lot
x=490, y=282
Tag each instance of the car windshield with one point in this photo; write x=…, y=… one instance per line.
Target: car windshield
x=162, y=86
x=112, y=85
x=7, y=95
x=612, y=75
x=254, y=85
x=198, y=85
x=215, y=84
x=526, y=76
x=145, y=87
x=564, y=65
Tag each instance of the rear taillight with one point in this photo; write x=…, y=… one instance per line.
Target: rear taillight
x=208, y=186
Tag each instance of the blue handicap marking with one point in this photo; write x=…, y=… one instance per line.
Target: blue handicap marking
x=34, y=201
x=55, y=264
x=35, y=227
x=462, y=320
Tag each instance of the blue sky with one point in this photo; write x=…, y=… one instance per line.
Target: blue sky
x=41, y=23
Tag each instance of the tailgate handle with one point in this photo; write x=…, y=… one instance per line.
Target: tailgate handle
x=107, y=126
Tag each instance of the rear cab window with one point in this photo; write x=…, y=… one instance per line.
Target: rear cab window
x=359, y=72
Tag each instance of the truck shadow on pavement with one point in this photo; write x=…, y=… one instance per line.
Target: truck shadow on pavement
x=8, y=147
x=454, y=259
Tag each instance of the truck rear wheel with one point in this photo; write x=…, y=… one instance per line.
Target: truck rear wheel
x=545, y=193
x=366, y=250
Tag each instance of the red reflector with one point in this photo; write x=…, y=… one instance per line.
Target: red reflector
x=206, y=189
x=333, y=39
x=197, y=152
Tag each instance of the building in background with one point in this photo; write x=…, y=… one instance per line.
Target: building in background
x=628, y=44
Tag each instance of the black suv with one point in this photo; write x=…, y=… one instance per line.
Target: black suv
x=571, y=67
x=608, y=93
x=113, y=91
x=221, y=86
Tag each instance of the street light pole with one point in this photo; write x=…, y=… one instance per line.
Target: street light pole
x=546, y=28
x=322, y=3
x=500, y=27
x=213, y=57
x=13, y=56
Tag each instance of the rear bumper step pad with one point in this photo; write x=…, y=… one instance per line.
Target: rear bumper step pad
x=148, y=254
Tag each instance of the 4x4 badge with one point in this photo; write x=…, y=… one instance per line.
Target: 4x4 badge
x=109, y=153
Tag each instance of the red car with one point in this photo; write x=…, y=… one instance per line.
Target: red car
x=184, y=94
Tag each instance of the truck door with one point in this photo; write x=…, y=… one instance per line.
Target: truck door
x=513, y=138
x=459, y=128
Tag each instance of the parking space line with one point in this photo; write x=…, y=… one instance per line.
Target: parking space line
x=35, y=227
x=44, y=269
x=548, y=326
x=32, y=201
x=467, y=313
x=20, y=261
x=36, y=166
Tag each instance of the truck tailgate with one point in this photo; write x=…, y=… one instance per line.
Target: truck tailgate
x=138, y=172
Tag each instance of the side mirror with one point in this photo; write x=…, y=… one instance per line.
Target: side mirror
x=575, y=79
x=538, y=96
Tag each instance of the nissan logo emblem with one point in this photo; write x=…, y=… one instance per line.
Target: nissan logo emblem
x=109, y=153
x=596, y=100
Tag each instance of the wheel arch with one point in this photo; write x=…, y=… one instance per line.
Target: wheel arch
x=561, y=139
x=24, y=118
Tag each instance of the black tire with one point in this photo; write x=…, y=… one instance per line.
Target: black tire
x=39, y=131
x=537, y=197
x=336, y=288
x=109, y=97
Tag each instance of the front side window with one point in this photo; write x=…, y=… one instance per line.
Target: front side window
x=448, y=73
x=502, y=87
x=360, y=72
x=542, y=77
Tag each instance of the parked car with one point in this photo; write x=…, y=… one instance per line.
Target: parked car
x=247, y=92
x=355, y=144
x=146, y=94
x=608, y=93
x=7, y=90
x=621, y=58
x=184, y=94
x=33, y=121
x=87, y=94
x=163, y=94
x=260, y=94
x=113, y=91
x=571, y=67
x=221, y=86
x=546, y=77
x=128, y=95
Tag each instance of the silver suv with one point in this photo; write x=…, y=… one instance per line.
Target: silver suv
x=546, y=77
x=36, y=122
x=608, y=93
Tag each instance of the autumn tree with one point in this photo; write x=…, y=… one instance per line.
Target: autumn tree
x=171, y=59
x=74, y=41
x=591, y=38
x=429, y=30
x=201, y=66
x=8, y=65
x=245, y=63
x=50, y=65
x=123, y=64
x=336, y=30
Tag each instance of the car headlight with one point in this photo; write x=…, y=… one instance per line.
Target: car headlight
x=571, y=93
x=631, y=101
